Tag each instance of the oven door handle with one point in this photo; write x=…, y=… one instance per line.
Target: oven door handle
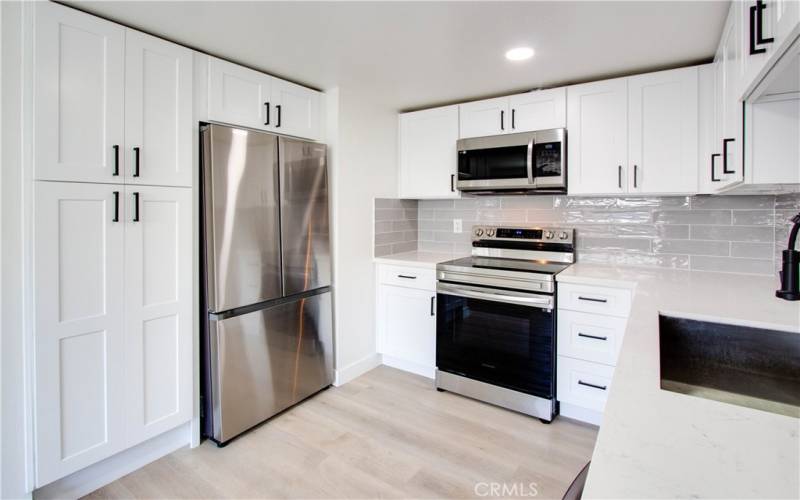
x=542, y=303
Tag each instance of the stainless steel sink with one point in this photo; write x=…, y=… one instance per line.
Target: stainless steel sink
x=744, y=366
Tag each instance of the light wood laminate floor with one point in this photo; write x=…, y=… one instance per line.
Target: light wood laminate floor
x=388, y=434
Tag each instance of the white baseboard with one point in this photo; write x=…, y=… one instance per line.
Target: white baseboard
x=355, y=370
x=95, y=476
x=593, y=417
x=409, y=366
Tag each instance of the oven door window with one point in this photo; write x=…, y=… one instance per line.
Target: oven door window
x=496, y=163
x=547, y=159
x=503, y=344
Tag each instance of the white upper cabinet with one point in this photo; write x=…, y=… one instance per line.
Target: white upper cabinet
x=597, y=124
x=707, y=143
x=729, y=81
x=482, y=118
x=538, y=110
x=158, y=310
x=428, y=156
x=662, y=132
x=78, y=96
x=80, y=356
x=158, y=111
x=239, y=95
x=297, y=109
x=244, y=97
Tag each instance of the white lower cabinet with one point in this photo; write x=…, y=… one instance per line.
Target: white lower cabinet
x=591, y=325
x=406, y=319
x=113, y=322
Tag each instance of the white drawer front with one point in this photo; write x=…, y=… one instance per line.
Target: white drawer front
x=583, y=383
x=590, y=337
x=594, y=299
x=411, y=277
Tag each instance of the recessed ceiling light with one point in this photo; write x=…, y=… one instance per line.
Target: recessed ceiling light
x=519, y=54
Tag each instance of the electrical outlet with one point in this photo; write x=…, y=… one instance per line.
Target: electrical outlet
x=457, y=228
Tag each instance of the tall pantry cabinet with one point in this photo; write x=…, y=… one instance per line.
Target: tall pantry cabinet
x=112, y=258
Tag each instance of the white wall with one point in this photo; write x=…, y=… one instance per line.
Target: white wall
x=363, y=148
x=15, y=426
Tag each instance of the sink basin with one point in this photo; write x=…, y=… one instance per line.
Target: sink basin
x=744, y=366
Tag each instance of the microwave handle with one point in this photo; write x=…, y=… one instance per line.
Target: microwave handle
x=531, y=179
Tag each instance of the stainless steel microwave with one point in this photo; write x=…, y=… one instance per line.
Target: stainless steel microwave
x=527, y=161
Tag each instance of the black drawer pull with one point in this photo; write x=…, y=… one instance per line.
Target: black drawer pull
x=136, y=162
x=278, y=109
x=592, y=336
x=725, y=156
x=592, y=299
x=135, y=207
x=593, y=386
x=502, y=118
x=116, y=159
x=116, y=207
x=452, y=181
x=406, y=277
x=433, y=300
x=266, y=117
x=713, y=171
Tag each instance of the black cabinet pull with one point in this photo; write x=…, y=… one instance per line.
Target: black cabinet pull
x=266, y=121
x=725, y=156
x=116, y=207
x=278, y=109
x=753, y=49
x=513, y=119
x=406, y=277
x=592, y=299
x=593, y=386
x=433, y=299
x=635, y=175
x=502, y=118
x=619, y=176
x=586, y=335
x=452, y=183
x=135, y=207
x=116, y=159
x=760, y=7
x=713, y=170
x=136, y=161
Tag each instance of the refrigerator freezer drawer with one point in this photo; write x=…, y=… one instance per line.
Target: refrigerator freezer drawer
x=267, y=360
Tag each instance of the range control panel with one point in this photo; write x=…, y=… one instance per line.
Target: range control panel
x=531, y=234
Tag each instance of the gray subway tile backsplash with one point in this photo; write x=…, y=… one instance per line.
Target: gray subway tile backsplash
x=714, y=233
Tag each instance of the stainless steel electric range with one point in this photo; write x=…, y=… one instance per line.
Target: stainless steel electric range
x=496, y=317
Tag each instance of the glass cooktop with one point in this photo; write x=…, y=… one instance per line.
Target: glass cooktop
x=496, y=263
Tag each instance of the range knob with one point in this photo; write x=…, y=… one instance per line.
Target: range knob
x=563, y=235
x=549, y=235
x=478, y=232
x=490, y=232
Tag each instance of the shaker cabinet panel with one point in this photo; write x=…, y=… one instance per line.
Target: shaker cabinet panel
x=158, y=309
x=407, y=327
x=662, y=132
x=296, y=108
x=597, y=120
x=78, y=95
x=78, y=325
x=428, y=156
x=239, y=95
x=158, y=111
x=482, y=118
x=538, y=110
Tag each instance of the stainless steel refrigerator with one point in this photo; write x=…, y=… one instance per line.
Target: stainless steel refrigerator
x=268, y=340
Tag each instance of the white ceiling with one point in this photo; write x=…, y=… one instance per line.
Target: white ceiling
x=408, y=55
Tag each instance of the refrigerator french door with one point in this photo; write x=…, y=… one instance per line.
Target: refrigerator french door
x=268, y=341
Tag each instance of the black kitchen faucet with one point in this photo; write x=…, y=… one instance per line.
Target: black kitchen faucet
x=790, y=274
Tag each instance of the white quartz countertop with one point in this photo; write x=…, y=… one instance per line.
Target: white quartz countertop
x=418, y=259
x=657, y=444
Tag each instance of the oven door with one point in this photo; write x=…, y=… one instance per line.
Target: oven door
x=501, y=337
x=495, y=162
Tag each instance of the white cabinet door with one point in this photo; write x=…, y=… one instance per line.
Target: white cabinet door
x=538, y=110
x=708, y=144
x=78, y=96
x=482, y=118
x=662, y=132
x=730, y=59
x=428, y=156
x=296, y=108
x=78, y=268
x=158, y=111
x=158, y=310
x=239, y=96
x=597, y=120
x=407, y=324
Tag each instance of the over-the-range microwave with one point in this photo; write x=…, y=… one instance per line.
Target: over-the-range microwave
x=526, y=161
